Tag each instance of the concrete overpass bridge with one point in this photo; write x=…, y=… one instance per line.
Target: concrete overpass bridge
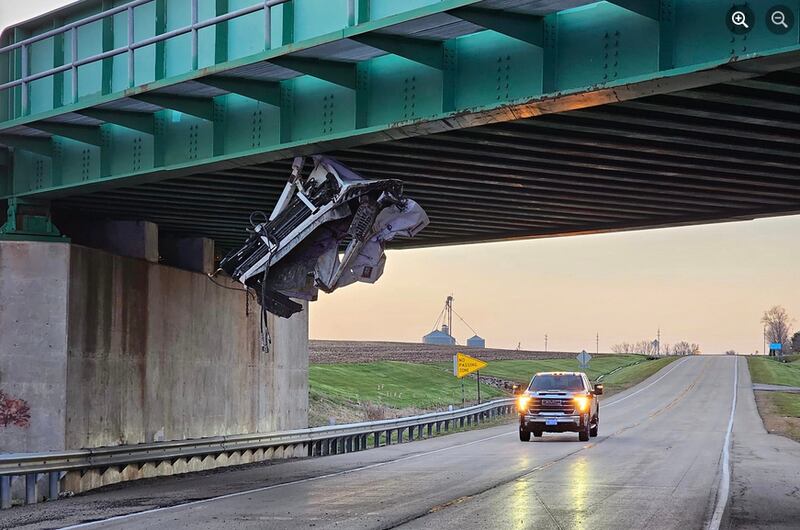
x=152, y=127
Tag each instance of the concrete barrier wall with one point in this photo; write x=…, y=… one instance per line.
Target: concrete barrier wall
x=150, y=353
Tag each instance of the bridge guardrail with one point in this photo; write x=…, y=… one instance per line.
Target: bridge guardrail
x=315, y=441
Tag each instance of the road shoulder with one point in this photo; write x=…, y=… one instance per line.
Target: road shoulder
x=765, y=484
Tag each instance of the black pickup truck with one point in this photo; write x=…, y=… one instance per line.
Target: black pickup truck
x=559, y=402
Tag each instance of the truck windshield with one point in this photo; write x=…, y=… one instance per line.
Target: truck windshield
x=569, y=383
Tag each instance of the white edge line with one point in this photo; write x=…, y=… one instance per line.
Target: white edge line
x=725, y=479
x=281, y=485
x=648, y=386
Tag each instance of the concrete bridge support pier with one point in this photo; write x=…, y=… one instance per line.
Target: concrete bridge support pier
x=102, y=349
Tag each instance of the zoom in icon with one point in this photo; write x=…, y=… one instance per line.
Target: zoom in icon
x=740, y=19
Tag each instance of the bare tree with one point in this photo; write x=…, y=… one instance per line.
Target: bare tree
x=646, y=347
x=685, y=348
x=778, y=324
x=622, y=347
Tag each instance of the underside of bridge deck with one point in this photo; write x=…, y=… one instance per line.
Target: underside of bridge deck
x=717, y=153
x=504, y=118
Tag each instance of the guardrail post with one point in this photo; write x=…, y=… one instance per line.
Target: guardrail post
x=5, y=492
x=399, y=436
x=30, y=488
x=430, y=430
x=376, y=439
x=52, y=485
x=348, y=444
x=388, y=437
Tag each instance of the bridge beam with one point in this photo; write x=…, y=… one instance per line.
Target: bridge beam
x=527, y=28
x=196, y=106
x=337, y=72
x=423, y=51
x=88, y=134
x=646, y=8
x=137, y=121
x=264, y=91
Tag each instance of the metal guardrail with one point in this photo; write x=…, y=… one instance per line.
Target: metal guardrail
x=132, y=44
x=318, y=441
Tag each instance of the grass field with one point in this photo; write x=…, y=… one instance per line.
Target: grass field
x=356, y=391
x=779, y=410
x=393, y=384
x=631, y=375
x=522, y=371
x=768, y=371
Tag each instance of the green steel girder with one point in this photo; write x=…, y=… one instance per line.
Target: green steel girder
x=202, y=108
x=33, y=144
x=337, y=72
x=523, y=66
x=527, y=28
x=88, y=134
x=646, y=8
x=423, y=51
x=264, y=91
x=136, y=121
x=29, y=219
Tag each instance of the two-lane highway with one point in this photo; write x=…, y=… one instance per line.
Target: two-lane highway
x=656, y=464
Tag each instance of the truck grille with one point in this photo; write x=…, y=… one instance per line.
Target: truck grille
x=539, y=405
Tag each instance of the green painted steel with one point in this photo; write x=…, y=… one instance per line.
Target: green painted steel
x=514, y=65
x=29, y=220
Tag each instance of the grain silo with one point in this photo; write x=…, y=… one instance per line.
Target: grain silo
x=476, y=342
x=439, y=337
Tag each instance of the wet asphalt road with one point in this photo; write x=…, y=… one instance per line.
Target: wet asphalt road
x=656, y=464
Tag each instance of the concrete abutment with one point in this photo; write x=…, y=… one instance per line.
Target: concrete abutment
x=108, y=350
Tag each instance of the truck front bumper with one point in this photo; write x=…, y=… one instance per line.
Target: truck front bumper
x=554, y=422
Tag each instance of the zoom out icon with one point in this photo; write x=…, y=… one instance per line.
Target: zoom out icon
x=780, y=20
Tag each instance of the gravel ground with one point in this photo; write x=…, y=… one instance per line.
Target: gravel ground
x=339, y=351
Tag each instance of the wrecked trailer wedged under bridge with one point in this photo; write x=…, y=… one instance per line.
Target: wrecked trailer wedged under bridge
x=294, y=252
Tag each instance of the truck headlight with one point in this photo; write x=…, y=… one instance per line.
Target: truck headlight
x=582, y=403
x=522, y=403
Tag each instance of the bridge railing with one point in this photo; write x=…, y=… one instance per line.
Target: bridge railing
x=316, y=441
x=25, y=77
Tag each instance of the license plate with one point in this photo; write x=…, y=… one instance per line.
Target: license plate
x=551, y=402
x=551, y=422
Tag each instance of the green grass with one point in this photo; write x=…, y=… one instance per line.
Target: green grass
x=786, y=404
x=522, y=371
x=393, y=384
x=771, y=372
x=631, y=375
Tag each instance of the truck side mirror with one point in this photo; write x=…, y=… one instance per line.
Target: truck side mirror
x=598, y=390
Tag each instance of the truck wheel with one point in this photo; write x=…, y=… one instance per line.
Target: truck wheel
x=583, y=434
x=593, y=430
x=524, y=435
x=537, y=433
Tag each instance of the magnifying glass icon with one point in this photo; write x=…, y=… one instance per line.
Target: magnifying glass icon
x=779, y=19
x=740, y=19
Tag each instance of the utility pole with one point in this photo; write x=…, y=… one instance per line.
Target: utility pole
x=545, y=342
x=597, y=343
x=449, y=314
x=764, y=351
x=658, y=342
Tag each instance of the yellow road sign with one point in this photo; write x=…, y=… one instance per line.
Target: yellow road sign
x=464, y=365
